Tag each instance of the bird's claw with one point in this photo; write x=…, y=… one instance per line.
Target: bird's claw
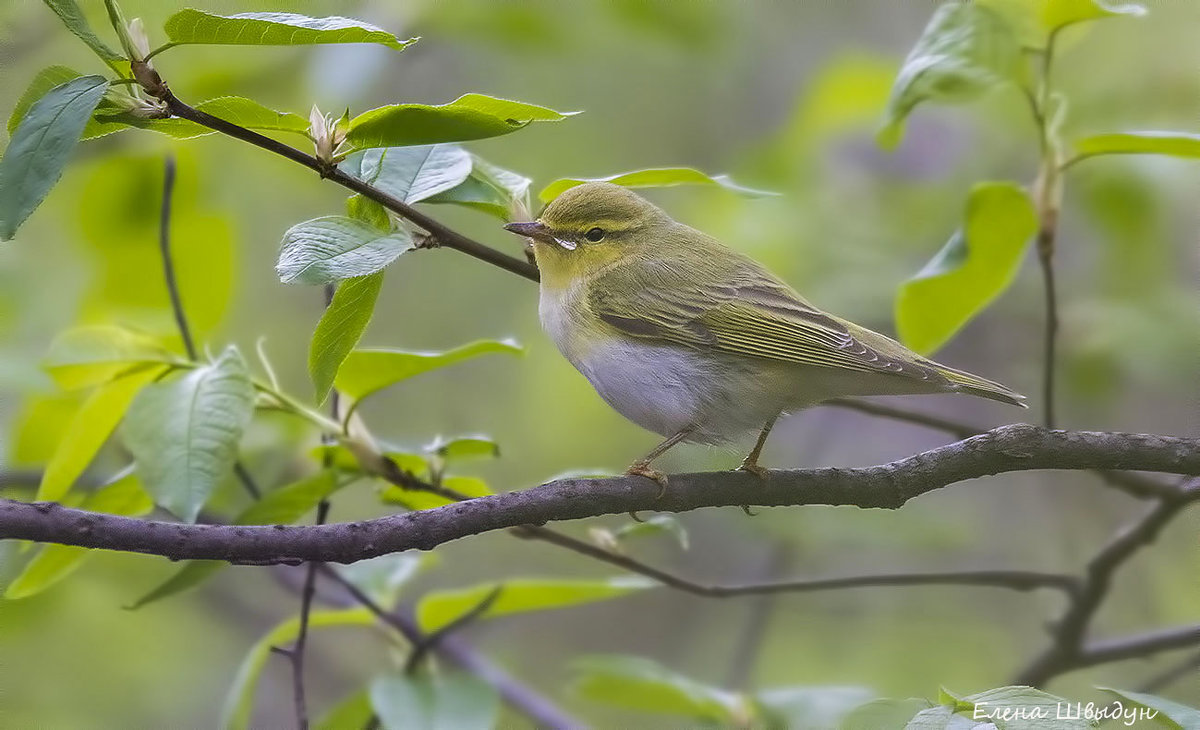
x=751, y=466
x=654, y=475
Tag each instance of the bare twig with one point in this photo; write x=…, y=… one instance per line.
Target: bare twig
x=520, y=697
x=1009, y=448
x=297, y=652
x=1067, y=650
x=446, y=236
x=422, y=648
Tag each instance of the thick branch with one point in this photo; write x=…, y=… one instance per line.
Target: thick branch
x=1009, y=448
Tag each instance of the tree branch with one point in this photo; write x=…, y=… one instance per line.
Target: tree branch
x=1009, y=448
x=1067, y=651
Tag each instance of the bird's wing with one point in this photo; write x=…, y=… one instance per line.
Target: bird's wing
x=746, y=312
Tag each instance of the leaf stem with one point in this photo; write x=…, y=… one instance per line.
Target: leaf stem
x=160, y=49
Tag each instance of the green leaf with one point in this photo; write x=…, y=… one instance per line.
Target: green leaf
x=652, y=178
x=369, y=212
x=44, y=81
x=72, y=17
x=415, y=499
x=341, y=326
x=342, y=459
x=809, y=708
x=452, y=702
x=641, y=684
x=91, y=355
x=654, y=525
x=1169, y=714
x=365, y=371
x=352, y=713
x=1056, y=14
x=89, y=430
x=878, y=714
x=472, y=116
x=413, y=174
x=1177, y=144
x=41, y=146
x=439, y=608
x=464, y=447
x=965, y=50
x=239, y=703
x=492, y=190
x=109, y=115
x=282, y=506
x=328, y=249
x=184, y=433
x=55, y=562
x=974, y=268
x=274, y=29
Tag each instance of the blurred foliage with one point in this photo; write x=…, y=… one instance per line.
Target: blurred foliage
x=786, y=98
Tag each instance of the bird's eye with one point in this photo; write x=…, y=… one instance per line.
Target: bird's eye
x=595, y=235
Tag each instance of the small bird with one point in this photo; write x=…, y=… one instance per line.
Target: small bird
x=695, y=341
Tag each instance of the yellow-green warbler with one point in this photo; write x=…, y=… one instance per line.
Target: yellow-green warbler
x=698, y=342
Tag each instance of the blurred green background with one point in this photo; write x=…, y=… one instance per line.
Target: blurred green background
x=785, y=96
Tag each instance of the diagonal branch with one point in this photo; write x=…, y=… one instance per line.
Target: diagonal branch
x=1009, y=448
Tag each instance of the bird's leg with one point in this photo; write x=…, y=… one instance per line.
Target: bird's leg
x=750, y=463
x=641, y=467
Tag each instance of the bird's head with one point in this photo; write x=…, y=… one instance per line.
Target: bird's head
x=588, y=227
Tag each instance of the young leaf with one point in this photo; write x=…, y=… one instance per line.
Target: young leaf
x=328, y=249
x=965, y=50
x=89, y=429
x=990, y=706
x=44, y=81
x=1177, y=144
x=184, y=433
x=413, y=174
x=472, y=116
x=41, y=146
x=365, y=371
x=491, y=189
x=95, y=354
x=653, y=178
x=1180, y=716
x=274, y=29
x=72, y=17
x=282, y=506
x=975, y=267
x=1057, y=14
x=452, y=702
x=341, y=326
x=239, y=703
x=641, y=684
x=439, y=608
x=55, y=562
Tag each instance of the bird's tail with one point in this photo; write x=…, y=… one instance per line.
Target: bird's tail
x=965, y=382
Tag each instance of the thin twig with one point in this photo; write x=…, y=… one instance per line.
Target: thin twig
x=520, y=697
x=448, y=237
x=298, y=650
x=430, y=642
x=172, y=282
x=1067, y=649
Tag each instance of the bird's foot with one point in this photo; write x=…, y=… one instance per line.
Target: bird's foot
x=752, y=466
x=642, y=469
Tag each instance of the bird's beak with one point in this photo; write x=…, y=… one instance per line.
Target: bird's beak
x=538, y=231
